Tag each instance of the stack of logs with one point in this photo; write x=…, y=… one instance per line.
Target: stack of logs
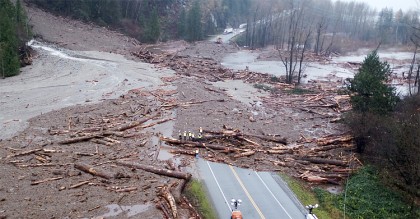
x=312, y=162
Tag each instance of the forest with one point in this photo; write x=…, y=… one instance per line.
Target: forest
x=14, y=33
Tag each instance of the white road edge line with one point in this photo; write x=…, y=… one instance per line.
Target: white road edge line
x=217, y=182
x=273, y=195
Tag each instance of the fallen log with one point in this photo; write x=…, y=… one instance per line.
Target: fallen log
x=135, y=123
x=127, y=189
x=79, y=184
x=196, y=144
x=93, y=170
x=111, y=140
x=192, y=153
x=267, y=138
x=171, y=164
x=333, y=140
x=45, y=180
x=156, y=123
x=162, y=206
x=165, y=193
x=24, y=153
x=286, y=151
x=248, y=140
x=191, y=103
x=244, y=154
x=99, y=141
x=329, y=147
x=152, y=169
x=325, y=161
x=77, y=139
x=40, y=165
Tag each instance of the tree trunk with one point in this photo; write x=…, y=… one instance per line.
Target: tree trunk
x=152, y=169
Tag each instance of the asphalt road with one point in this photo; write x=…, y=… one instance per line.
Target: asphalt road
x=261, y=194
x=226, y=37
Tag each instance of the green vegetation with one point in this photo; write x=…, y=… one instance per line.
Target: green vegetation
x=155, y=20
x=386, y=129
x=193, y=30
x=366, y=197
x=13, y=34
x=307, y=196
x=196, y=193
x=370, y=93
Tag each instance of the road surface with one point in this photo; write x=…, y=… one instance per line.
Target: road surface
x=226, y=37
x=261, y=194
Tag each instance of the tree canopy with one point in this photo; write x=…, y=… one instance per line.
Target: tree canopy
x=370, y=93
x=13, y=33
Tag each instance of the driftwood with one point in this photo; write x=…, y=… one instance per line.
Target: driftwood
x=126, y=189
x=165, y=193
x=283, y=151
x=318, y=179
x=268, y=138
x=248, y=140
x=325, y=161
x=191, y=103
x=100, y=141
x=187, y=152
x=196, y=144
x=24, y=153
x=77, y=139
x=79, y=184
x=45, y=180
x=163, y=206
x=135, y=123
x=152, y=169
x=171, y=164
x=244, y=154
x=156, y=123
x=331, y=147
x=333, y=140
x=93, y=170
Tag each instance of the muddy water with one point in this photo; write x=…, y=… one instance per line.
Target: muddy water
x=59, y=78
x=123, y=211
x=314, y=71
x=399, y=62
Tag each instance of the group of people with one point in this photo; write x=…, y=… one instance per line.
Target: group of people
x=190, y=136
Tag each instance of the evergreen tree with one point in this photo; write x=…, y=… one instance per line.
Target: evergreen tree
x=182, y=24
x=9, y=62
x=23, y=30
x=194, y=23
x=370, y=93
x=152, y=31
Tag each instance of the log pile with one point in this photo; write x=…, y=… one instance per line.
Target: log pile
x=318, y=158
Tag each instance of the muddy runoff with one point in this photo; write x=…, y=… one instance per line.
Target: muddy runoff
x=61, y=78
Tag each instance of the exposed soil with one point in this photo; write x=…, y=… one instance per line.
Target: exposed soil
x=202, y=95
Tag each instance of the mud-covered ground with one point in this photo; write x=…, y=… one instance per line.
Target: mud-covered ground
x=38, y=174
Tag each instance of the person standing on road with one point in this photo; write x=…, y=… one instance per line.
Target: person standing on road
x=197, y=153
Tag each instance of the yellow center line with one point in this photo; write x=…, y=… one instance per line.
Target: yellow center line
x=247, y=193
